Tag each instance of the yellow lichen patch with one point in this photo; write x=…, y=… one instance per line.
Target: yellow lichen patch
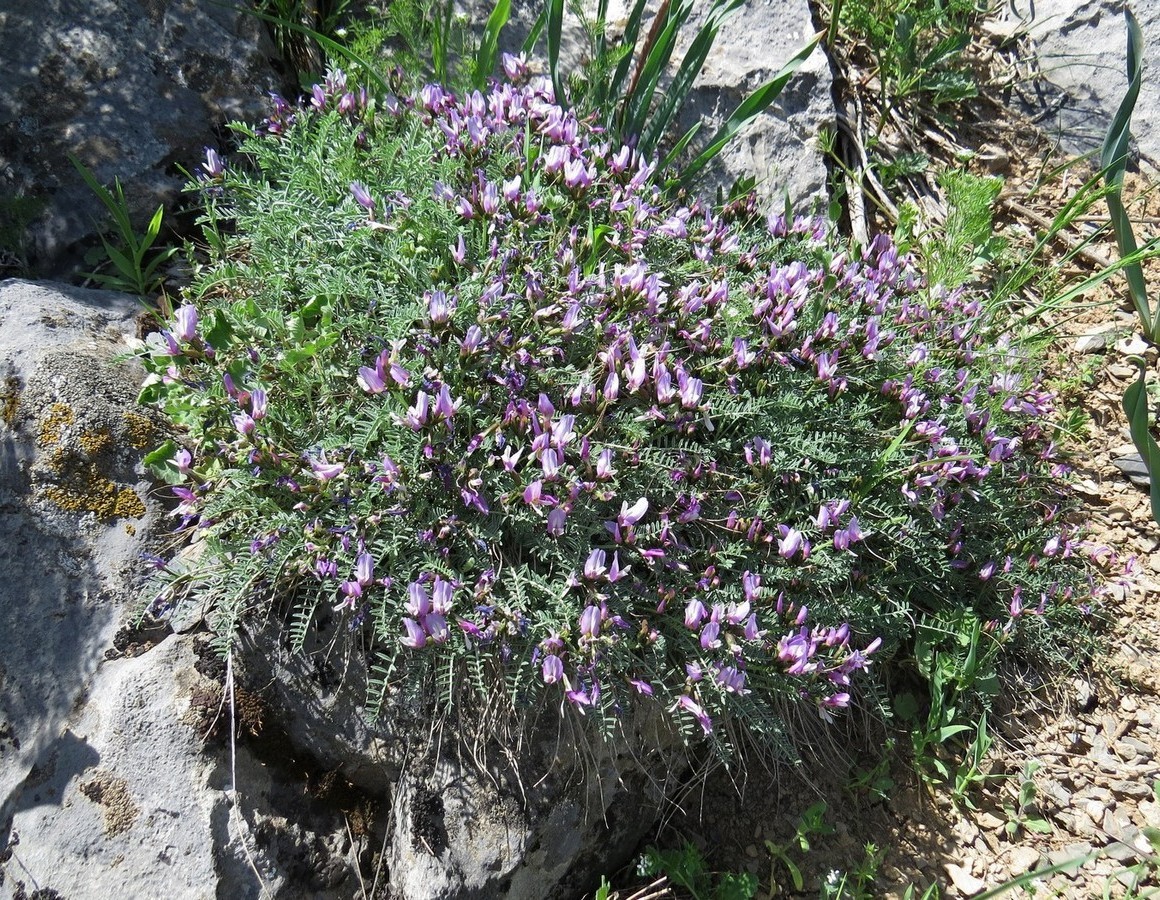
x=10, y=400
x=53, y=423
x=139, y=429
x=89, y=491
x=94, y=442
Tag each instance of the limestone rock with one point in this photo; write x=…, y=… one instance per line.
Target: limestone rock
x=132, y=88
x=77, y=512
x=780, y=147
x=1082, y=51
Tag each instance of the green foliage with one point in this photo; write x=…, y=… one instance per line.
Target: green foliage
x=17, y=212
x=856, y=885
x=915, y=45
x=776, y=460
x=292, y=24
x=782, y=856
x=956, y=658
x=686, y=869
x=967, y=241
x=1023, y=815
x=621, y=85
x=1114, y=159
x=133, y=258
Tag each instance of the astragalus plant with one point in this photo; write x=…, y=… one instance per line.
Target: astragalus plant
x=458, y=373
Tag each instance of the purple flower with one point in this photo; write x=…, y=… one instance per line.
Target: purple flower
x=185, y=323
x=415, y=637
x=557, y=519
x=183, y=459
x=790, y=543
x=594, y=566
x=687, y=703
x=553, y=669
x=418, y=603
x=695, y=614
x=590, y=622
x=213, y=165
x=436, y=627
x=642, y=687
x=364, y=569
x=325, y=471
x=244, y=423
x=710, y=639
x=444, y=405
x=362, y=196
x=630, y=515
x=258, y=403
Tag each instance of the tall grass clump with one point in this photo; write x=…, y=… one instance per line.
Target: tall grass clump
x=459, y=373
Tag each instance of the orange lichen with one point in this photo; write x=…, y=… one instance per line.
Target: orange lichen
x=140, y=430
x=94, y=442
x=10, y=400
x=86, y=490
x=52, y=425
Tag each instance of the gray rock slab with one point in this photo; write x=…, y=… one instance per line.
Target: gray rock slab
x=118, y=805
x=132, y=88
x=780, y=147
x=1082, y=52
x=75, y=510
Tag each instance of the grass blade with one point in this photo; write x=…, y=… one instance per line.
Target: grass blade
x=754, y=104
x=555, y=10
x=328, y=44
x=690, y=68
x=1136, y=409
x=489, y=42
x=655, y=56
x=631, y=35
x=1114, y=160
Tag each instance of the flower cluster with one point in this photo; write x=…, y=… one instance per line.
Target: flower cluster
x=623, y=446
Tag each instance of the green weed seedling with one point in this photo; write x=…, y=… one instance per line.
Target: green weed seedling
x=1023, y=816
x=135, y=262
x=686, y=868
x=812, y=822
x=856, y=885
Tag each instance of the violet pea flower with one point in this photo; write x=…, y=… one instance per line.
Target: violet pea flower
x=557, y=519
x=695, y=614
x=418, y=603
x=364, y=568
x=441, y=595
x=590, y=622
x=183, y=459
x=362, y=196
x=325, y=471
x=370, y=380
x=687, y=703
x=258, y=404
x=436, y=628
x=185, y=323
x=630, y=515
x=553, y=669
x=415, y=637
x=594, y=565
